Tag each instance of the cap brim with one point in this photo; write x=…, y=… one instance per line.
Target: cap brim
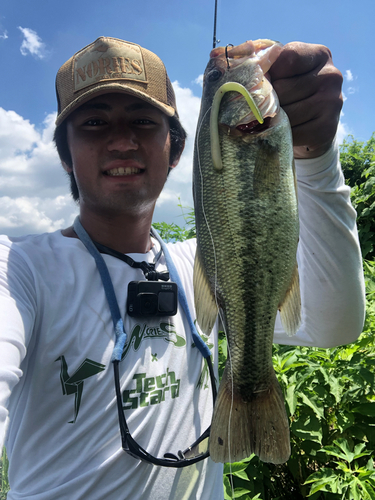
x=111, y=88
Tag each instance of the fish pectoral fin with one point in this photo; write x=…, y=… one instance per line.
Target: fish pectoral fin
x=267, y=168
x=290, y=307
x=205, y=304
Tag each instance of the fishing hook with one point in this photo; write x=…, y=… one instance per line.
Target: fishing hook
x=226, y=52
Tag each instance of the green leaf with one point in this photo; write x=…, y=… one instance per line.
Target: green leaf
x=344, y=420
x=365, y=409
x=354, y=490
x=324, y=474
x=358, y=451
x=227, y=489
x=336, y=388
x=241, y=492
x=368, y=491
x=324, y=480
x=235, y=467
x=313, y=403
x=242, y=474
x=307, y=426
x=341, y=450
x=291, y=398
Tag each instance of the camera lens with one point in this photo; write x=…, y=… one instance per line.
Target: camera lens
x=149, y=303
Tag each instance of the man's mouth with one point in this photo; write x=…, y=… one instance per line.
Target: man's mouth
x=123, y=171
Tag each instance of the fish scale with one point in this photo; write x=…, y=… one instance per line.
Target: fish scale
x=247, y=235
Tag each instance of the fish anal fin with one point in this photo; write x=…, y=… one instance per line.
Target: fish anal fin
x=267, y=168
x=205, y=304
x=290, y=307
x=258, y=426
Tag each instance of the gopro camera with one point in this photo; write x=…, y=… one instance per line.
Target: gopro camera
x=152, y=298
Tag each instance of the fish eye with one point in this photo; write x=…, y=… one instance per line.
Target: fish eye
x=214, y=75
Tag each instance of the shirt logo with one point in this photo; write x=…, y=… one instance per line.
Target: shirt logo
x=164, y=331
x=145, y=391
x=74, y=384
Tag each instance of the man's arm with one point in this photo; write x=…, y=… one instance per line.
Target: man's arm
x=329, y=257
x=17, y=316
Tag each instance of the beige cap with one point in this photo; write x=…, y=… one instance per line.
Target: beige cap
x=112, y=65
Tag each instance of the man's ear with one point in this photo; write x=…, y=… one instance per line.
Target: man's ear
x=66, y=167
x=175, y=163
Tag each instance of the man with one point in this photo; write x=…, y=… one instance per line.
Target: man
x=118, y=134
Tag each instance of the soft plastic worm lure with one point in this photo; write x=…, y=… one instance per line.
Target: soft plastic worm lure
x=214, y=125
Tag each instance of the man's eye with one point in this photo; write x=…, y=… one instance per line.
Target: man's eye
x=144, y=121
x=94, y=122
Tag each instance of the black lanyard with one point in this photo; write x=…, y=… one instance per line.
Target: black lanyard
x=147, y=268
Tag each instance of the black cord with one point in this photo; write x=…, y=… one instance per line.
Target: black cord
x=147, y=268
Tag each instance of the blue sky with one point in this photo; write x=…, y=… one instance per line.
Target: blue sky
x=37, y=37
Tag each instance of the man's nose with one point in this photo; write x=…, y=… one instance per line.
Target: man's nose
x=122, y=138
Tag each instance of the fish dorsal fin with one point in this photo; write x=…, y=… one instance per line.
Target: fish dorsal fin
x=290, y=307
x=205, y=304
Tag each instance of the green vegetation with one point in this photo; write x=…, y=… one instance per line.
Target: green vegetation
x=4, y=485
x=330, y=398
x=329, y=393
x=173, y=232
x=358, y=164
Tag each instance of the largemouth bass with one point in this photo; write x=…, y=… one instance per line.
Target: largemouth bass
x=247, y=234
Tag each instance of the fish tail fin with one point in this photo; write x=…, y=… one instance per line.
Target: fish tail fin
x=240, y=428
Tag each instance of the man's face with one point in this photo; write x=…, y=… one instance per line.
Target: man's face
x=120, y=148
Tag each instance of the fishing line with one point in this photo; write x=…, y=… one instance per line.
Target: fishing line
x=217, y=164
x=215, y=295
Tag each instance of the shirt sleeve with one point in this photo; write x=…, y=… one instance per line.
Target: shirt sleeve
x=329, y=257
x=17, y=316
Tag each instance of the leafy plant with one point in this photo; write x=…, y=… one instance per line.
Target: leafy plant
x=349, y=480
x=358, y=163
x=330, y=399
x=4, y=476
x=173, y=232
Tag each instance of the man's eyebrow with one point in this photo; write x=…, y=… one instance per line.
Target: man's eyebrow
x=139, y=105
x=95, y=105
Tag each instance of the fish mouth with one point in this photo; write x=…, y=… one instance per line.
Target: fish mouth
x=254, y=127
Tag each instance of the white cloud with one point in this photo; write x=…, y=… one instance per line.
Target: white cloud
x=344, y=97
x=349, y=75
x=32, y=44
x=34, y=215
x=34, y=190
x=342, y=132
x=351, y=90
x=178, y=187
x=199, y=80
x=4, y=35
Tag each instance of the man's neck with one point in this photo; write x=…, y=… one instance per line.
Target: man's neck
x=124, y=233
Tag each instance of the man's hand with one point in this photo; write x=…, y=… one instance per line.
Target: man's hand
x=309, y=90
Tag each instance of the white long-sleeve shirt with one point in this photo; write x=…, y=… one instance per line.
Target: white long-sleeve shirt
x=57, y=399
